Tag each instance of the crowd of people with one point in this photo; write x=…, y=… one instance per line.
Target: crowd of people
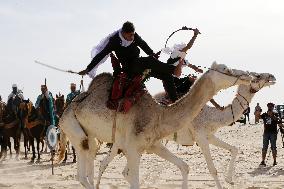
x=45, y=94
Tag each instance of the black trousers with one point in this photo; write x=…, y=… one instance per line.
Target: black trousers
x=159, y=70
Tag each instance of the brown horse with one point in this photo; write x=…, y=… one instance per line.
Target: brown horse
x=2, y=109
x=35, y=126
x=60, y=107
x=10, y=127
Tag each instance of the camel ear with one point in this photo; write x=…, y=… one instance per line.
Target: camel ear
x=56, y=96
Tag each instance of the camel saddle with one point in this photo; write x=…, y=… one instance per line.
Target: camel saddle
x=125, y=91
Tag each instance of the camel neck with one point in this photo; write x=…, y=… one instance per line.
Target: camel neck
x=187, y=108
x=240, y=102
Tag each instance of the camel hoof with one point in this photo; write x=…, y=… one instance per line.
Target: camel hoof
x=229, y=180
x=97, y=186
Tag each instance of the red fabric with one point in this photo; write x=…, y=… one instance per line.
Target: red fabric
x=118, y=86
x=129, y=91
x=134, y=85
x=128, y=102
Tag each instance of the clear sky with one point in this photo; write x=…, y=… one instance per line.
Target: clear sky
x=246, y=35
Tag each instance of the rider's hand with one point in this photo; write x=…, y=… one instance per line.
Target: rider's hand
x=199, y=70
x=83, y=72
x=196, y=31
x=195, y=68
x=157, y=55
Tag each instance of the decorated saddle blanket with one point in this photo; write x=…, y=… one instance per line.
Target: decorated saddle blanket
x=125, y=91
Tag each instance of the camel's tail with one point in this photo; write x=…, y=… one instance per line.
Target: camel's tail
x=62, y=146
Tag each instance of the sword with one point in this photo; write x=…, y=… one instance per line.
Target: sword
x=54, y=68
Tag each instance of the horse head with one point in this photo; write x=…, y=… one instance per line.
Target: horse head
x=59, y=104
x=25, y=110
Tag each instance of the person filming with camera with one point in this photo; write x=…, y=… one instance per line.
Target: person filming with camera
x=270, y=121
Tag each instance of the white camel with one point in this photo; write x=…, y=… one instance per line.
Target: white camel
x=210, y=119
x=141, y=128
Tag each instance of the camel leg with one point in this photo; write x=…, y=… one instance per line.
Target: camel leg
x=90, y=159
x=65, y=157
x=234, y=151
x=82, y=170
x=74, y=154
x=125, y=172
x=78, y=138
x=164, y=153
x=106, y=161
x=133, y=161
x=204, y=146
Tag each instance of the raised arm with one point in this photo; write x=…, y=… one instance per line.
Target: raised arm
x=108, y=48
x=189, y=45
x=143, y=45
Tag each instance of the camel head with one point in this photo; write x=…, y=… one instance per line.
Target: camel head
x=224, y=77
x=261, y=80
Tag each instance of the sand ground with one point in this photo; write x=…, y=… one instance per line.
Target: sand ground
x=157, y=173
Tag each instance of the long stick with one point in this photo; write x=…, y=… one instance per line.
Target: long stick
x=54, y=68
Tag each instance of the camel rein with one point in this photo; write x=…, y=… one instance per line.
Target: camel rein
x=252, y=90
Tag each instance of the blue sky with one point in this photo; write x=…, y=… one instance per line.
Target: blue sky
x=242, y=34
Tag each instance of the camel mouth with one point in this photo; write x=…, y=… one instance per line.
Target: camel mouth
x=267, y=78
x=269, y=83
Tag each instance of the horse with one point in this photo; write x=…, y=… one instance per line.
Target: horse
x=60, y=107
x=2, y=109
x=36, y=122
x=11, y=126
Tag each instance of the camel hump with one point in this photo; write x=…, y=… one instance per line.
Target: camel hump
x=101, y=79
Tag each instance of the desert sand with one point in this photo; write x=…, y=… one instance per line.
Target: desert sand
x=157, y=173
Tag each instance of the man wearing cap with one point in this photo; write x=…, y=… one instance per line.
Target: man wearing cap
x=73, y=93
x=270, y=120
x=15, y=92
x=46, y=97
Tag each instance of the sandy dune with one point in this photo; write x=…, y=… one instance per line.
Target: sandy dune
x=157, y=173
